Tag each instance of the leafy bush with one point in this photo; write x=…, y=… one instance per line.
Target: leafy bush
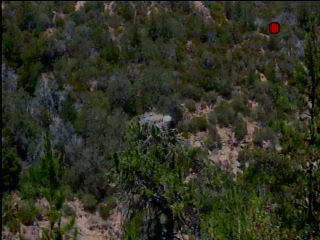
x=193, y=125
x=191, y=105
x=105, y=208
x=89, y=202
x=210, y=97
x=258, y=113
x=201, y=123
x=68, y=210
x=240, y=104
x=213, y=142
x=191, y=92
x=225, y=114
x=240, y=128
x=27, y=212
x=264, y=134
x=10, y=167
x=14, y=225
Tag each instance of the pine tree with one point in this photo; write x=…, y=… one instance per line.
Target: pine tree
x=46, y=177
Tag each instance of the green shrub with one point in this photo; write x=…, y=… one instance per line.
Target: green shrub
x=193, y=125
x=240, y=104
x=105, y=208
x=210, y=97
x=27, y=212
x=264, y=134
x=201, y=123
x=243, y=158
x=212, y=117
x=213, y=140
x=89, y=202
x=185, y=135
x=10, y=167
x=14, y=225
x=191, y=92
x=258, y=114
x=225, y=114
x=190, y=105
x=212, y=143
x=68, y=210
x=183, y=126
x=240, y=128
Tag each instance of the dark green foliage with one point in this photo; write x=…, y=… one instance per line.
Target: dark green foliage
x=125, y=10
x=225, y=114
x=240, y=104
x=68, y=210
x=121, y=93
x=201, y=123
x=112, y=65
x=193, y=125
x=274, y=43
x=27, y=212
x=105, y=208
x=210, y=97
x=10, y=167
x=240, y=127
x=89, y=202
x=141, y=174
x=213, y=140
x=190, y=105
x=45, y=177
x=68, y=112
x=212, y=118
x=11, y=46
x=264, y=134
x=191, y=92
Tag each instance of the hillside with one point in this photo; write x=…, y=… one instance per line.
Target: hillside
x=160, y=120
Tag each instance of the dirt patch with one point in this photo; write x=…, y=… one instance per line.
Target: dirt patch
x=203, y=9
x=90, y=226
x=227, y=156
x=93, y=85
x=201, y=109
x=263, y=78
x=79, y=5
x=108, y=6
x=152, y=8
x=49, y=31
x=252, y=104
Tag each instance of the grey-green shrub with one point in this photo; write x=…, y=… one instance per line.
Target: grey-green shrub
x=210, y=97
x=105, y=208
x=240, y=104
x=190, y=105
x=225, y=114
x=264, y=134
x=89, y=202
x=240, y=128
x=201, y=123
x=27, y=212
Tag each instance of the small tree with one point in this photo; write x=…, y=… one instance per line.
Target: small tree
x=46, y=177
x=152, y=174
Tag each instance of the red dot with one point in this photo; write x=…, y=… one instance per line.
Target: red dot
x=274, y=27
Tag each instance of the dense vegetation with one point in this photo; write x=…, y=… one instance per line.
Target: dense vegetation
x=75, y=81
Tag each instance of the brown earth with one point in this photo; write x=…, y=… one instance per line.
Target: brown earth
x=90, y=226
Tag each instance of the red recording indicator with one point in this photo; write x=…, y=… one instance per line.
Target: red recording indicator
x=274, y=27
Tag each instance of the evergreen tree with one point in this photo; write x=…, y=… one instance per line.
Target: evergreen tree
x=46, y=178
